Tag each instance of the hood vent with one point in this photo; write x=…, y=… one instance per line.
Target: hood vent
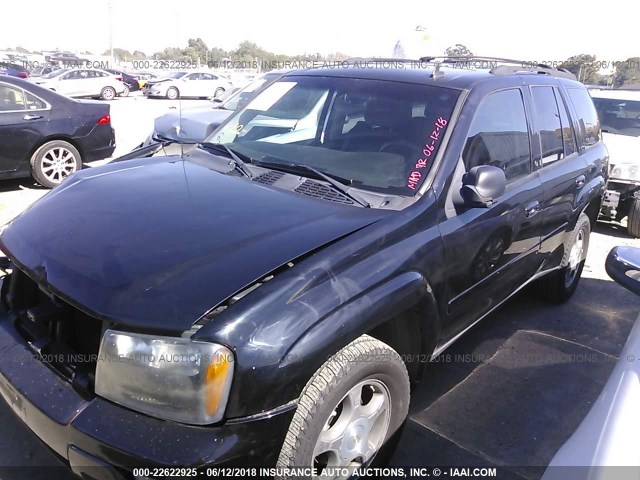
x=230, y=301
x=318, y=190
x=269, y=178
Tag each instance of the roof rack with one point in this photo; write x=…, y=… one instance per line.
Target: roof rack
x=508, y=66
x=383, y=59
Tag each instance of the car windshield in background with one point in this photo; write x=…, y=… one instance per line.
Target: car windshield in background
x=174, y=76
x=619, y=116
x=378, y=135
x=56, y=73
x=244, y=95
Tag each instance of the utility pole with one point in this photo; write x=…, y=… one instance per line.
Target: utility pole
x=110, y=32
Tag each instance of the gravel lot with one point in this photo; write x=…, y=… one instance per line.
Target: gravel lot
x=598, y=318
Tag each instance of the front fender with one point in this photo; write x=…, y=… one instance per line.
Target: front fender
x=408, y=293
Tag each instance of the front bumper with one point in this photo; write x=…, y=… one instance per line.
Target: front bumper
x=95, y=435
x=615, y=203
x=153, y=92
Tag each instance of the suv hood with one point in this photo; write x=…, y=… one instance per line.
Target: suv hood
x=156, y=243
x=623, y=149
x=193, y=125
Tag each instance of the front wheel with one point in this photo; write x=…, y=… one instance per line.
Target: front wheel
x=351, y=411
x=633, y=220
x=172, y=93
x=53, y=162
x=126, y=91
x=560, y=285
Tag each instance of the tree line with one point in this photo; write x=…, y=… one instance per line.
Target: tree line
x=587, y=68
x=247, y=53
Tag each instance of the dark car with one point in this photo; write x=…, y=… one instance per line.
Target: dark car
x=130, y=81
x=48, y=135
x=14, y=70
x=66, y=58
x=44, y=70
x=268, y=298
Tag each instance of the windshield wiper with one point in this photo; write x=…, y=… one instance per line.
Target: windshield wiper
x=300, y=167
x=239, y=164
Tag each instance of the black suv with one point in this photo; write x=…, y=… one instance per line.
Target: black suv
x=268, y=298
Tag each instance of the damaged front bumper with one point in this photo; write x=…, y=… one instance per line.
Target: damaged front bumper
x=99, y=439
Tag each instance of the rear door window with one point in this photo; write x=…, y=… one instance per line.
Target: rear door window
x=568, y=134
x=552, y=122
x=587, y=116
x=548, y=124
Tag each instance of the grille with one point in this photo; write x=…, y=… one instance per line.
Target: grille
x=269, y=178
x=66, y=339
x=318, y=190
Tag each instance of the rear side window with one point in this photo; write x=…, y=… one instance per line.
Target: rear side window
x=552, y=121
x=547, y=117
x=587, y=116
x=568, y=134
x=499, y=135
x=11, y=99
x=34, y=103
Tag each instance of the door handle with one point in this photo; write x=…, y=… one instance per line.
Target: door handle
x=580, y=181
x=532, y=209
x=32, y=117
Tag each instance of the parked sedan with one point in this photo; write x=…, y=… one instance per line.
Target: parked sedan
x=83, y=82
x=144, y=77
x=43, y=70
x=188, y=84
x=48, y=135
x=131, y=83
x=66, y=57
x=13, y=69
x=195, y=124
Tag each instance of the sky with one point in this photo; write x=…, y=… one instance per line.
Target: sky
x=549, y=30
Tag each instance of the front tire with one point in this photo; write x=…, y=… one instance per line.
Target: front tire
x=633, y=220
x=53, y=162
x=126, y=91
x=173, y=93
x=108, y=93
x=558, y=286
x=351, y=411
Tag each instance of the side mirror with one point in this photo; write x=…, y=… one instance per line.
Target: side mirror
x=623, y=266
x=483, y=185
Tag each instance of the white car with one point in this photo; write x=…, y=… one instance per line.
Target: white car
x=83, y=82
x=188, y=84
x=619, y=114
x=608, y=435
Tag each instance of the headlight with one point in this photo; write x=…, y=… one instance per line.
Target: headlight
x=625, y=172
x=166, y=377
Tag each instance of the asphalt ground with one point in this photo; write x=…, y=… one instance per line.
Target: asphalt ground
x=507, y=394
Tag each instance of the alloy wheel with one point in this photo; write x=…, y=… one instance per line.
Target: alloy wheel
x=58, y=163
x=356, y=428
x=575, y=257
